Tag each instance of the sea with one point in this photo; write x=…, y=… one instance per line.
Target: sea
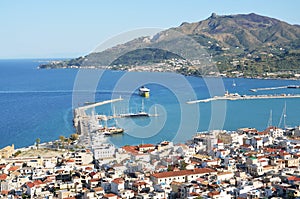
x=38, y=103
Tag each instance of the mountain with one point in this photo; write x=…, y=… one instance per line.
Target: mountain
x=246, y=45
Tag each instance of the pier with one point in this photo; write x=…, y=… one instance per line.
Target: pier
x=99, y=104
x=266, y=89
x=274, y=88
x=86, y=124
x=236, y=96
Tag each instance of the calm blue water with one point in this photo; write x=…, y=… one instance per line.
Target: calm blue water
x=38, y=104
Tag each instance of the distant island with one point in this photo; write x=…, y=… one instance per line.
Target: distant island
x=243, y=45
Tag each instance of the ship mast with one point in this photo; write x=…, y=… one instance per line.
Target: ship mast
x=283, y=117
x=142, y=105
x=270, y=119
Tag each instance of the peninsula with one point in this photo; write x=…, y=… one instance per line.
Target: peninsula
x=243, y=45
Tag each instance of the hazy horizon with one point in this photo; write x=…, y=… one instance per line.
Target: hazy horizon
x=55, y=29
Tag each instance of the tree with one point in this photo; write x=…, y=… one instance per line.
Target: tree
x=69, y=142
x=183, y=165
x=291, y=195
x=74, y=136
x=56, y=144
x=37, y=142
x=62, y=140
x=17, y=153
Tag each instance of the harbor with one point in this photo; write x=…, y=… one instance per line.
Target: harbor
x=88, y=127
x=88, y=124
x=236, y=96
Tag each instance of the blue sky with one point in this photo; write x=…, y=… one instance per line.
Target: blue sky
x=70, y=28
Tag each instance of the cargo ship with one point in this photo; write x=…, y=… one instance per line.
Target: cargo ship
x=144, y=92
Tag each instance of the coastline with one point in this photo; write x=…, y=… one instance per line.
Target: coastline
x=207, y=76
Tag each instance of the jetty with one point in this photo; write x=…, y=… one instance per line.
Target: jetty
x=84, y=123
x=93, y=105
x=275, y=88
x=236, y=96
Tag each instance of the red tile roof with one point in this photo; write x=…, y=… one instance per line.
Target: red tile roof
x=294, y=178
x=110, y=195
x=118, y=181
x=88, y=168
x=4, y=192
x=146, y=145
x=213, y=193
x=30, y=184
x=3, y=176
x=13, y=168
x=140, y=183
x=38, y=182
x=130, y=149
x=182, y=173
x=95, y=180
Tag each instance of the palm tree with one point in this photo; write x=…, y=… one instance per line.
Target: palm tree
x=56, y=144
x=37, y=142
x=69, y=142
x=74, y=136
x=62, y=140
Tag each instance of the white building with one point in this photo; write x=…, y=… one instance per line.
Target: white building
x=104, y=151
x=180, y=176
x=117, y=186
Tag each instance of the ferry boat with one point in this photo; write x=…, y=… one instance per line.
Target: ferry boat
x=144, y=92
x=108, y=131
x=139, y=114
x=115, y=130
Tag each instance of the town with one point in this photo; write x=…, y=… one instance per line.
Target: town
x=245, y=163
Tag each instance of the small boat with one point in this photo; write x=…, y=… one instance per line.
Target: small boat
x=107, y=133
x=144, y=92
x=141, y=113
x=89, y=103
x=293, y=86
x=233, y=83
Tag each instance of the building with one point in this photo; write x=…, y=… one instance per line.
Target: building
x=180, y=176
x=103, y=151
x=229, y=137
x=275, y=132
x=82, y=157
x=117, y=185
x=146, y=147
x=7, y=151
